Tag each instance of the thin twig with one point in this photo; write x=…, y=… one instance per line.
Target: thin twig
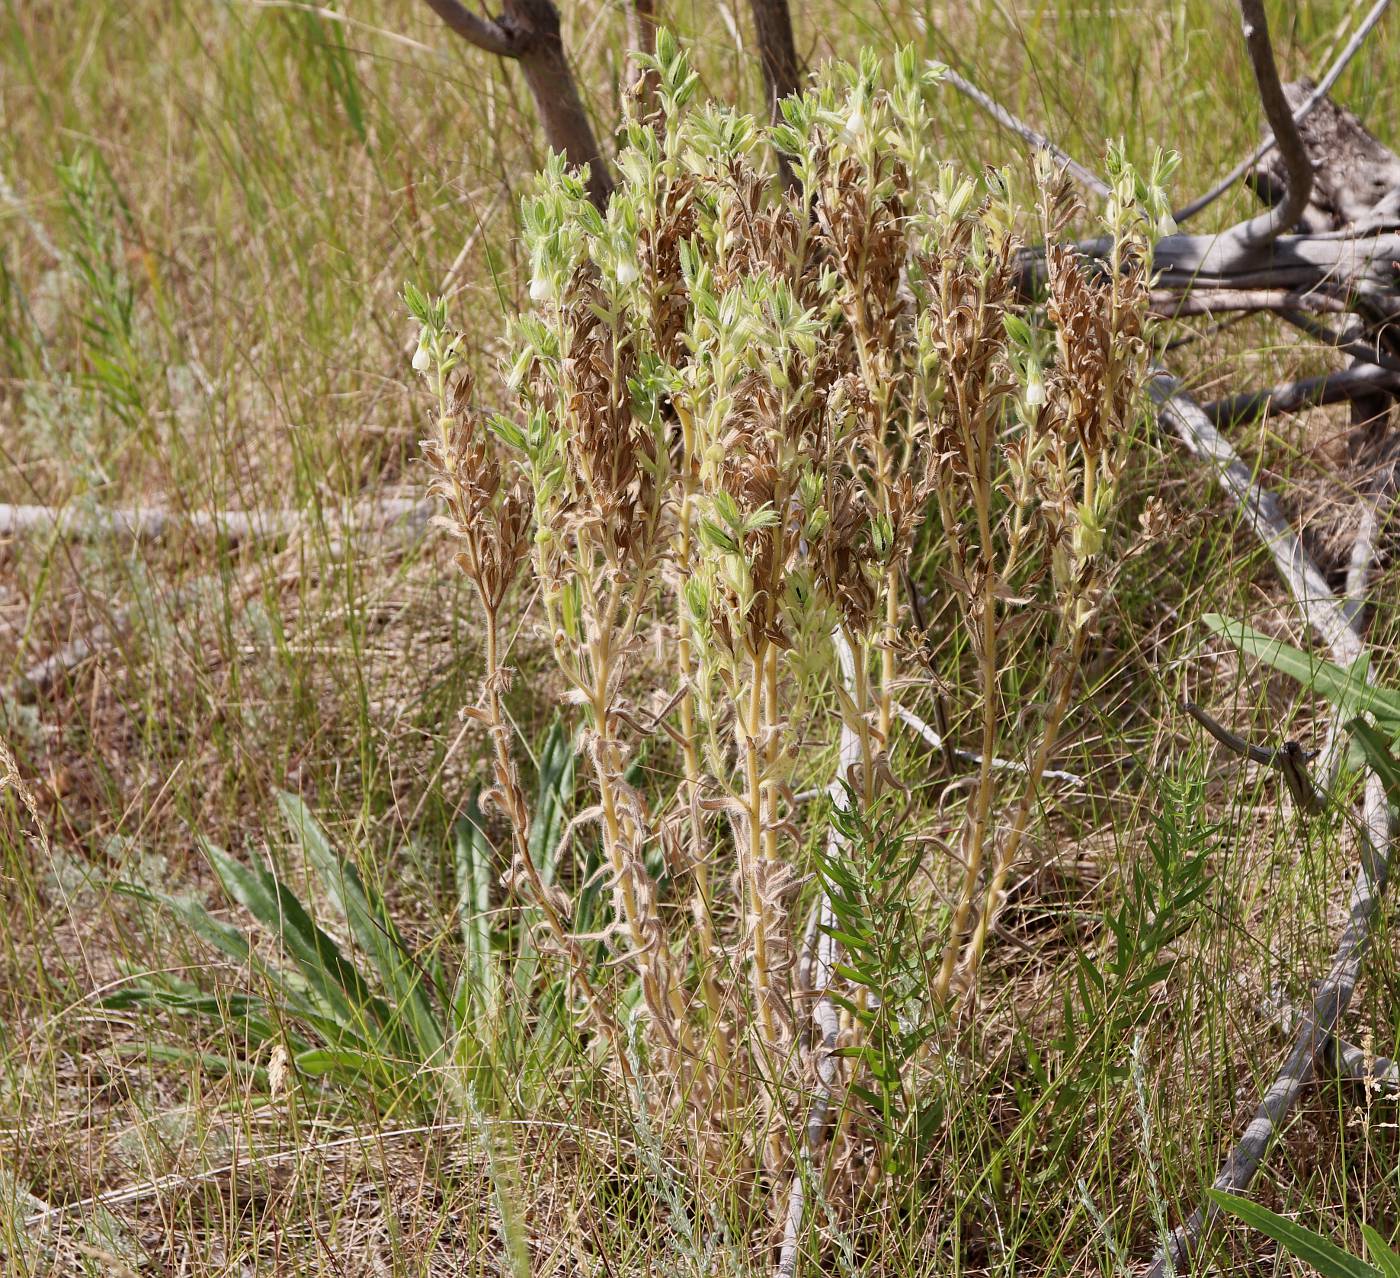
x=1333, y=73
x=1023, y=130
x=929, y=734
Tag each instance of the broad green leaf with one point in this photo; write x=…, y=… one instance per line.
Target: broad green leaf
x=1304, y=1244
x=403, y=977
x=1385, y=1256
x=1347, y=689
x=336, y=980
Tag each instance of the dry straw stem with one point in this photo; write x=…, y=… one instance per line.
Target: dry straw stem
x=11, y=778
x=490, y=521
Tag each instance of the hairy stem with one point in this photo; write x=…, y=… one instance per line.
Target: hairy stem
x=513, y=802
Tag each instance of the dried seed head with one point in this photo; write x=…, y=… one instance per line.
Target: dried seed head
x=491, y=520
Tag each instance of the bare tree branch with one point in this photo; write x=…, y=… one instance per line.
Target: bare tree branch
x=1023, y=130
x=777, y=49
x=1213, y=301
x=641, y=34
x=782, y=71
x=528, y=32
x=475, y=29
x=1248, y=238
x=1350, y=340
x=821, y=966
x=1309, y=392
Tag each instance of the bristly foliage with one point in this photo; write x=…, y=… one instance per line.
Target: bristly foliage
x=736, y=407
x=880, y=924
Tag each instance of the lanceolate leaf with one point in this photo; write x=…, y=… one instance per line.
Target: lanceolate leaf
x=1385, y=1256
x=1310, y=1247
x=330, y=974
x=404, y=979
x=552, y=799
x=1379, y=755
x=472, y=861
x=1345, y=688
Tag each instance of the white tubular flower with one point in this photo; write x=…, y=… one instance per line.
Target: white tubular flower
x=1035, y=386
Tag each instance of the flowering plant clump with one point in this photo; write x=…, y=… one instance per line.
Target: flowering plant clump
x=738, y=409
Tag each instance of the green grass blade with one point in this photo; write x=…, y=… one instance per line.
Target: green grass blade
x=1386, y=1257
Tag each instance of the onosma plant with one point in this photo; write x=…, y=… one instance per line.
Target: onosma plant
x=738, y=410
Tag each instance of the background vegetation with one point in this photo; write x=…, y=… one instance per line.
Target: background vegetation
x=208, y=214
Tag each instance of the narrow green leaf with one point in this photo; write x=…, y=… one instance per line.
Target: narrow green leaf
x=338, y=983
x=554, y=794
x=1376, y=749
x=1386, y=1257
x=1347, y=689
x=367, y=915
x=1304, y=1244
x=472, y=863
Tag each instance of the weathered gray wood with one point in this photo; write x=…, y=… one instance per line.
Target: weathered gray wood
x=1348, y=385
x=1356, y=178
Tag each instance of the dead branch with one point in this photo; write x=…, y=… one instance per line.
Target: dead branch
x=1324, y=614
x=528, y=32
x=782, y=72
x=933, y=738
x=1351, y=1063
x=1351, y=341
x=143, y=525
x=1309, y=392
x=1356, y=177
x=1168, y=304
